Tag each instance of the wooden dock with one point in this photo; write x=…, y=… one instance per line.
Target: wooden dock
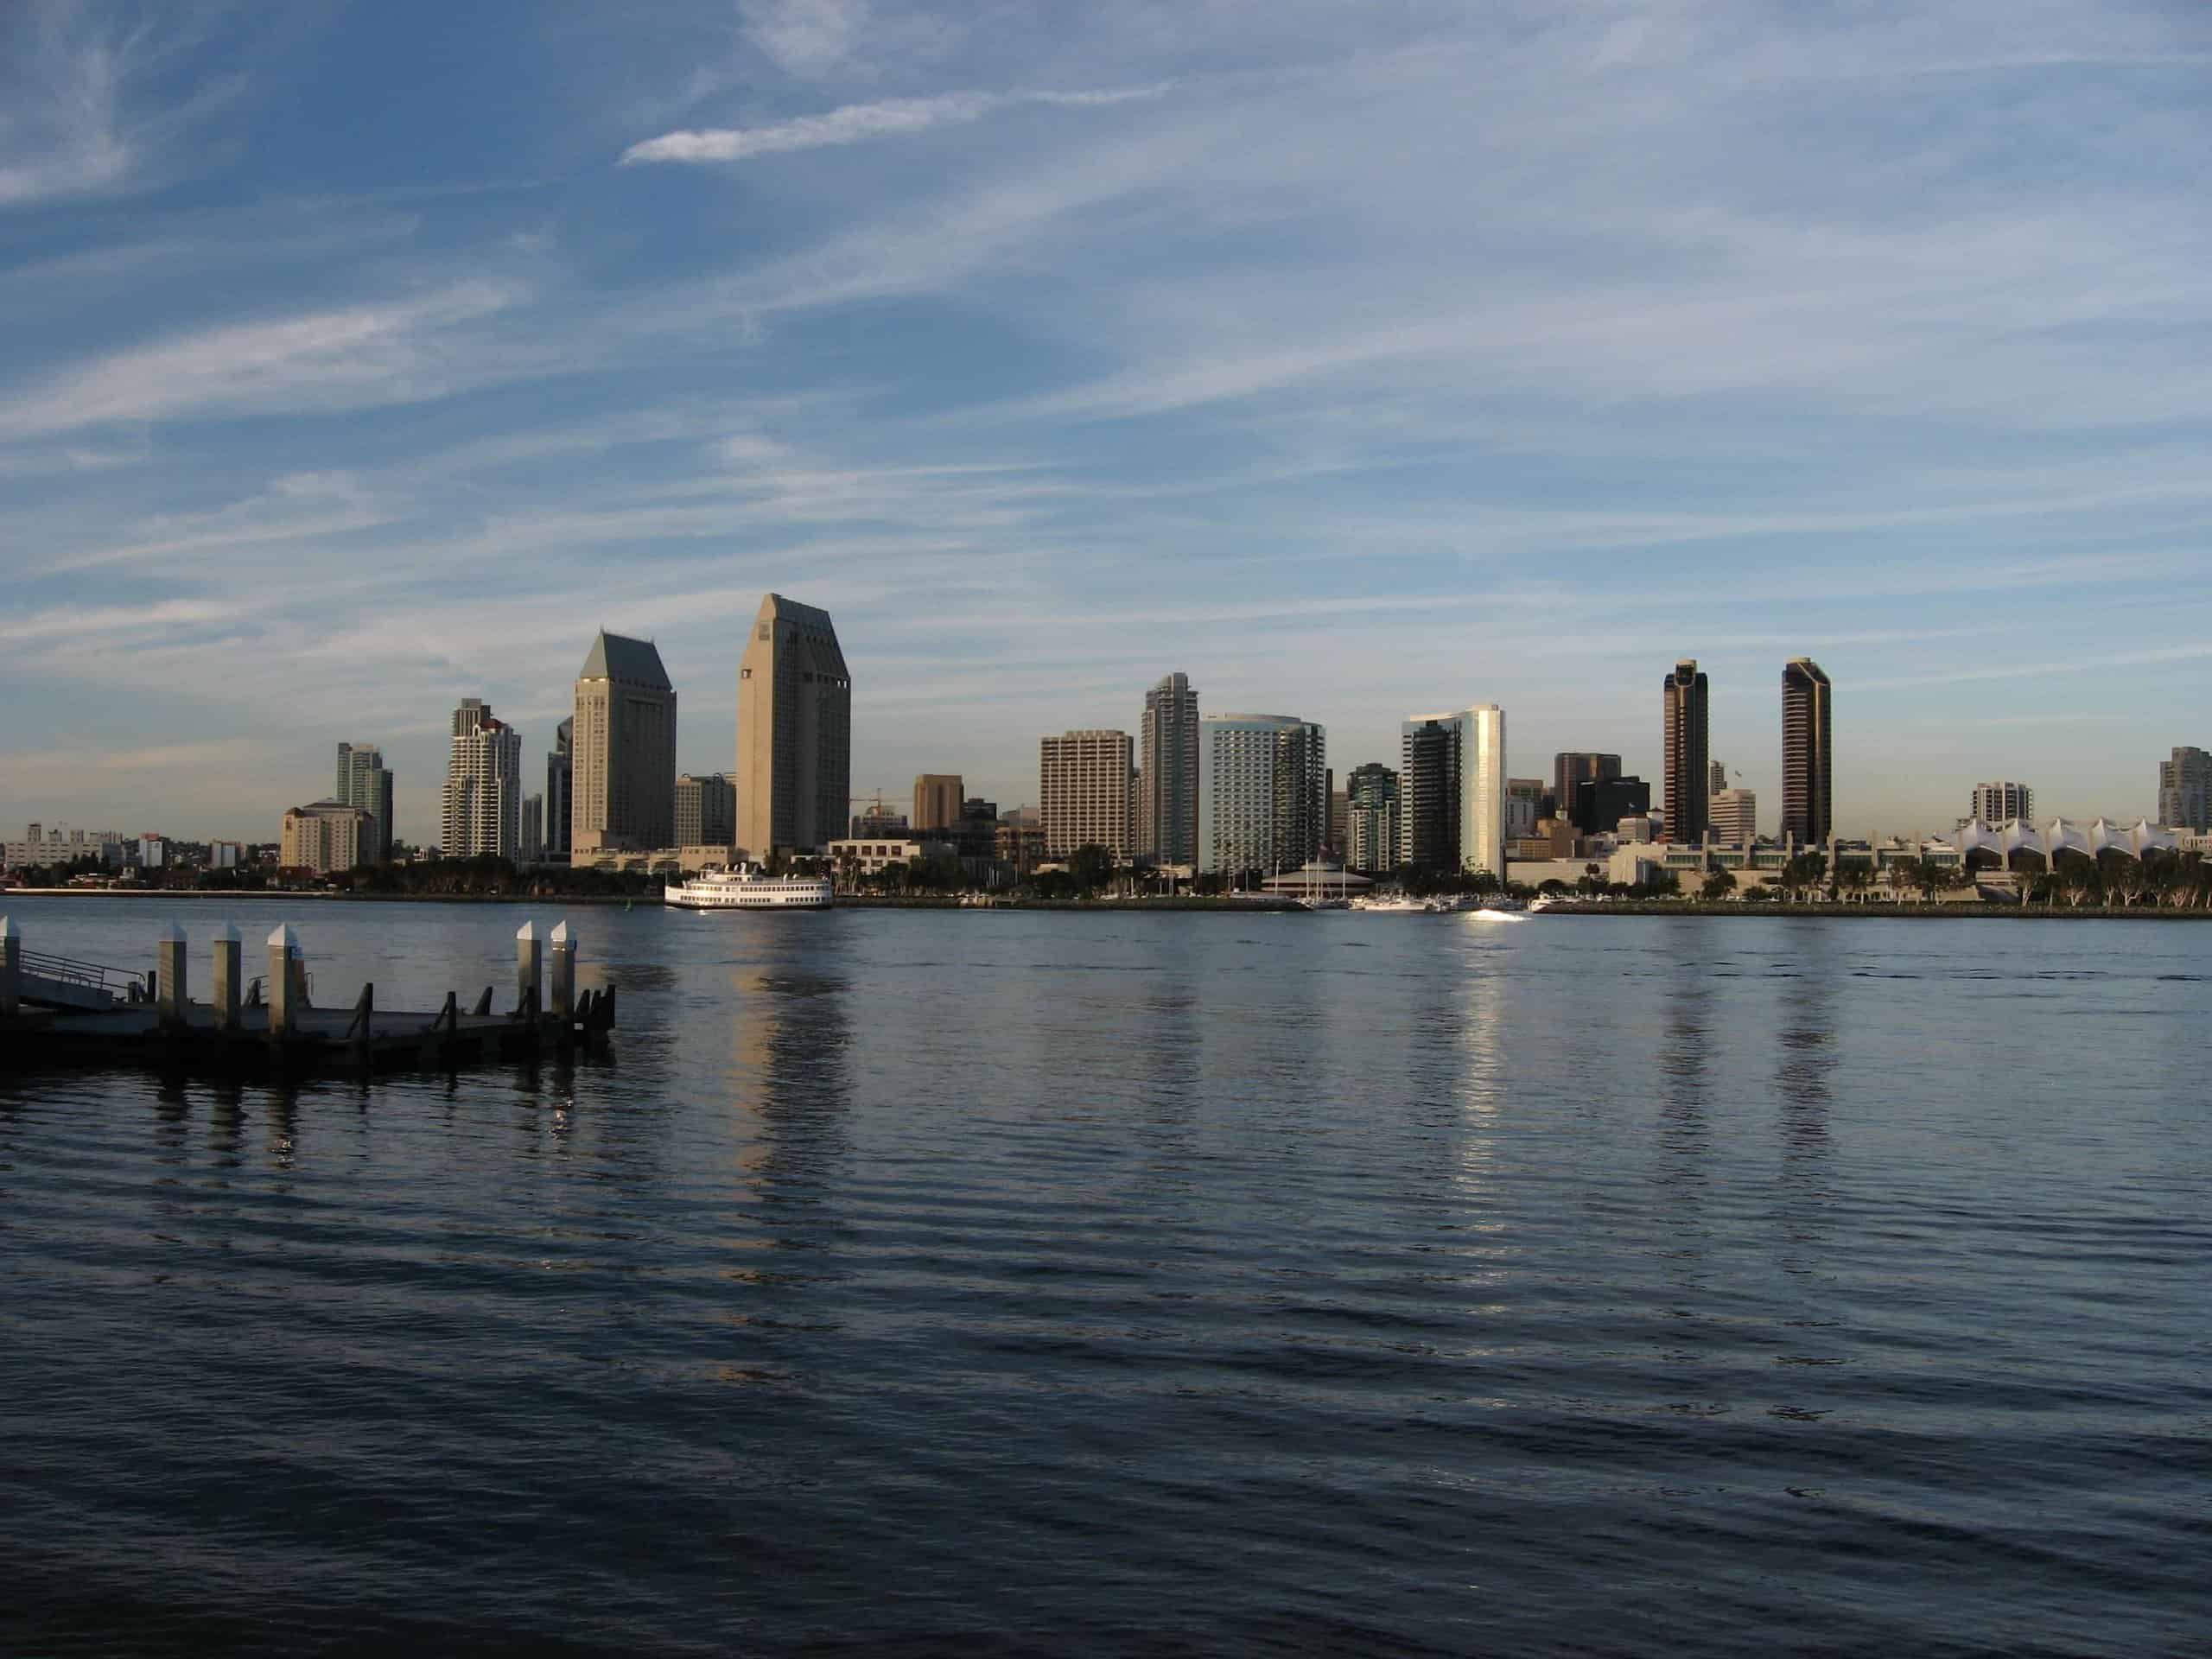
x=56, y=1011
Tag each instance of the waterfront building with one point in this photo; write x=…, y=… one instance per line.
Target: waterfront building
x=325, y=836
x=938, y=798
x=1263, y=792
x=622, y=759
x=559, y=790
x=706, y=810
x=2185, y=790
x=1019, y=841
x=1572, y=767
x=1998, y=803
x=1452, y=791
x=481, y=804
x=363, y=781
x=1601, y=803
x=865, y=855
x=1686, y=778
x=1735, y=815
x=1086, y=793
x=1167, y=792
x=1807, y=768
x=1371, y=819
x=1524, y=805
x=225, y=855
x=794, y=731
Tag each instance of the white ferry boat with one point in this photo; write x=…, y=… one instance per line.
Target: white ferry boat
x=748, y=887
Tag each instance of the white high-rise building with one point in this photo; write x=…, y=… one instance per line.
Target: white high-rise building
x=1263, y=793
x=2001, y=803
x=483, y=793
x=1735, y=816
x=1086, y=793
x=1452, y=791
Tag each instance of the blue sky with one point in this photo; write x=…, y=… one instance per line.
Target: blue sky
x=1354, y=358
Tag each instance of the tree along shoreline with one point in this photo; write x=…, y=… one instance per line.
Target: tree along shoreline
x=1970, y=910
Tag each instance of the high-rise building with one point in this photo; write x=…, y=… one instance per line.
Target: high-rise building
x=1371, y=819
x=1570, y=767
x=326, y=836
x=531, y=843
x=1683, y=701
x=1167, y=792
x=2185, y=790
x=1452, y=791
x=1339, y=819
x=364, y=782
x=938, y=798
x=1263, y=793
x=1524, y=805
x=2000, y=803
x=706, y=810
x=482, y=801
x=1735, y=815
x=1086, y=796
x=1807, y=752
x=794, y=731
x=1717, y=773
x=560, y=787
x=1601, y=803
x=622, y=759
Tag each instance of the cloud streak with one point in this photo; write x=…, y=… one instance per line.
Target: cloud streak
x=856, y=123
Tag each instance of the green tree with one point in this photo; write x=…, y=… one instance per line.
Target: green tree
x=1091, y=867
x=1719, y=884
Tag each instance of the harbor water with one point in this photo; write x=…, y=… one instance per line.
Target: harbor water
x=1002, y=1282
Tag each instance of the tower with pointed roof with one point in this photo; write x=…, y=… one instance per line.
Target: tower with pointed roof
x=622, y=755
x=794, y=731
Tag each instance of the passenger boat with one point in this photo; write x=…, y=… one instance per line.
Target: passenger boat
x=748, y=887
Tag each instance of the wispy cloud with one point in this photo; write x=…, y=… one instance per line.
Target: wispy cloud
x=856, y=124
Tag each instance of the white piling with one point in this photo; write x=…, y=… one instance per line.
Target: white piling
x=529, y=968
x=283, y=979
x=225, y=987
x=169, y=964
x=564, y=972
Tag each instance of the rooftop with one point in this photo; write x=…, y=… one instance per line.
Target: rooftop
x=617, y=657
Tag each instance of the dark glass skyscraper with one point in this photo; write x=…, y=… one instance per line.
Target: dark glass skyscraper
x=1683, y=717
x=1808, y=784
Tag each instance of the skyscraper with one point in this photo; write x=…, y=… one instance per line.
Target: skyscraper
x=481, y=806
x=623, y=761
x=1717, y=772
x=1086, y=797
x=1807, y=784
x=1571, y=767
x=2000, y=803
x=1682, y=695
x=1263, y=792
x=2185, y=790
x=560, y=786
x=1452, y=791
x=1371, y=819
x=363, y=782
x=938, y=798
x=706, y=810
x=794, y=731
x=1167, y=790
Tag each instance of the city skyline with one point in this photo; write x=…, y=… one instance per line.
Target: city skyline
x=1021, y=352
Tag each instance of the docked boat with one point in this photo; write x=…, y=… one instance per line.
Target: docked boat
x=748, y=887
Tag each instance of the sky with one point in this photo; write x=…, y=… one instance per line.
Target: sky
x=1356, y=360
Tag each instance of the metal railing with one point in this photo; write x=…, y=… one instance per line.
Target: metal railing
x=68, y=970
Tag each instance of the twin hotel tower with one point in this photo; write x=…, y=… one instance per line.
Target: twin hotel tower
x=1230, y=792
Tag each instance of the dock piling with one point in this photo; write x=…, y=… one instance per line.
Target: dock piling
x=283, y=982
x=530, y=969
x=483, y=1004
x=565, y=974
x=168, y=974
x=11, y=964
x=225, y=987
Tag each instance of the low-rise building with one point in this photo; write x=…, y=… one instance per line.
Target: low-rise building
x=866, y=855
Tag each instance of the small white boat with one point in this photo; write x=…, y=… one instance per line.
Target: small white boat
x=748, y=887
x=1399, y=905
